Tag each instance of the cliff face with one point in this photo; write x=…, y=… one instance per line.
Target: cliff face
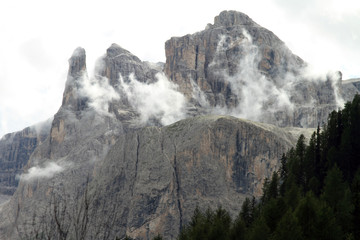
x=203, y=56
x=234, y=63
x=15, y=151
x=350, y=88
x=78, y=137
x=159, y=175
x=93, y=114
x=155, y=176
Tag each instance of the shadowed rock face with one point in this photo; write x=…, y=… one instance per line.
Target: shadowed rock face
x=203, y=56
x=77, y=69
x=233, y=58
x=159, y=175
x=15, y=151
x=120, y=62
x=78, y=138
x=350, y=88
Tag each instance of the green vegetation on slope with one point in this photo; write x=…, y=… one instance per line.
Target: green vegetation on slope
x=314, y=195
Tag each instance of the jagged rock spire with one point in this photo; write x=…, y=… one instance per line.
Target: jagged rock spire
x=77, y=70
x=77, y=62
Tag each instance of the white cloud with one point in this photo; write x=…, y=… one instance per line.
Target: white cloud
x=256, y=93
x=99, y=92
x=260, y=97
x=159, y=100
x=325, y=33
x=46, y=171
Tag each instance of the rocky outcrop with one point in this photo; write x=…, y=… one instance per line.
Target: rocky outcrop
x=204, y=56
x=15, y=151
x=350, y=88
x=159, y=175
x=152, y=178
x=119, y=65
x=77, y=71
x=79, y=137
x=236, y=62
x=119, y=62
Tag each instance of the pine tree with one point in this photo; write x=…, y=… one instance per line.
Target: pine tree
x=259, y=230
x=337, y=195
x=355, y=189
x=288, y=228
x=246, y=213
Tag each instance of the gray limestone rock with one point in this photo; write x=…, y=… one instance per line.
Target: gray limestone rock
x=159, y=175
x=235, y=61
x=150, y=179
x=15, y=151
x=350, y=88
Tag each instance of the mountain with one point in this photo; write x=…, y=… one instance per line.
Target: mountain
x=159, y=175
x=350, y=87
x=15, y=151
x=148, y=142
x=237, y=67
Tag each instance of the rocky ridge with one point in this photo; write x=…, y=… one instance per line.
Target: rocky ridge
x=159, y=175
x=15, y=151
x=235, y=60
x=165, y=171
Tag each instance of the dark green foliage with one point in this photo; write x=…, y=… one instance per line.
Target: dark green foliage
x=355, y=189
x=238, y=230
x=246, y=213
x=314, y=195
x=259, y=230
x=306, y=215
x=209, y=225
x=288, y=228
x=273, y=211
x=337, y=195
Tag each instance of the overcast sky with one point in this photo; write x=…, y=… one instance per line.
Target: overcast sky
x=38, y=37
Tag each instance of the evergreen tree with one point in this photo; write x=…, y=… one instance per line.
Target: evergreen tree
x=355, y=189
x=273, y=191
x=306, y=214
x=292, y=196
x=238, y=229
x=259, y=230
x=246, y=213
x=337, y=195
x=288, y=228
x=273, y=211
x=209, y=225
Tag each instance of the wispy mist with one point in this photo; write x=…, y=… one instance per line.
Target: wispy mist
x=46, y=171
x=155, y=101
x=99, y=93
x=256, y=93
x=258, y=97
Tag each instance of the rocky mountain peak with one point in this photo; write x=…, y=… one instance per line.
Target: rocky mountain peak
x=77, y=62
x=116, y=51
x=232, y=18
x=120, y=62
x=77, y=69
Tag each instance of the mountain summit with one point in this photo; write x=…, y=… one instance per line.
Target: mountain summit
x=232, y=18
x=141, y=144
x=237, y=67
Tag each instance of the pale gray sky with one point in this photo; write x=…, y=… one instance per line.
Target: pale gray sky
x=38, y=37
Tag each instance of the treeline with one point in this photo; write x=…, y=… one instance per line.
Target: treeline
x=314, y=195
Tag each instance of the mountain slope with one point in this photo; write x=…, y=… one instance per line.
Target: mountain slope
x=237, y=67
x=114, y=130
x=159, y=175
x=15, y=151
